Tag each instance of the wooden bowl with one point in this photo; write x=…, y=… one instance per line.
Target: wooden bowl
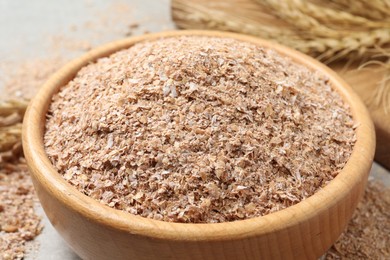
x=95, y=231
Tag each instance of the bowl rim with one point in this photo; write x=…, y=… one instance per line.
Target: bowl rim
x=44, y=172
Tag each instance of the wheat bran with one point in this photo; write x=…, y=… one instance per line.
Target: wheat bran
x=198, y=129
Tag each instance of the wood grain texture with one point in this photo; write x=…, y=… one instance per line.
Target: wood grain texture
x=95, y=231
x=365, y=82
x=250, y=13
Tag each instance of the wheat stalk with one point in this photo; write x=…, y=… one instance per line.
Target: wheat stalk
x=319, y=35
x=11, y=116
x=319, y=14
x=373, y=9
x=382, y=94
x=12, y=106
x=201, y=16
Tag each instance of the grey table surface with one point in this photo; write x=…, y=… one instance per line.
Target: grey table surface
x=26, y=28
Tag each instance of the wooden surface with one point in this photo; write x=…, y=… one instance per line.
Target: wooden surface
x=216, y=14
x=95, y=231
x=364, y=82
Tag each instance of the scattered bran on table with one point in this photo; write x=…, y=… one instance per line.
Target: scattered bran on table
x=22, y=81
x=198, y=129
x=18, y=220
x=368, y=233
